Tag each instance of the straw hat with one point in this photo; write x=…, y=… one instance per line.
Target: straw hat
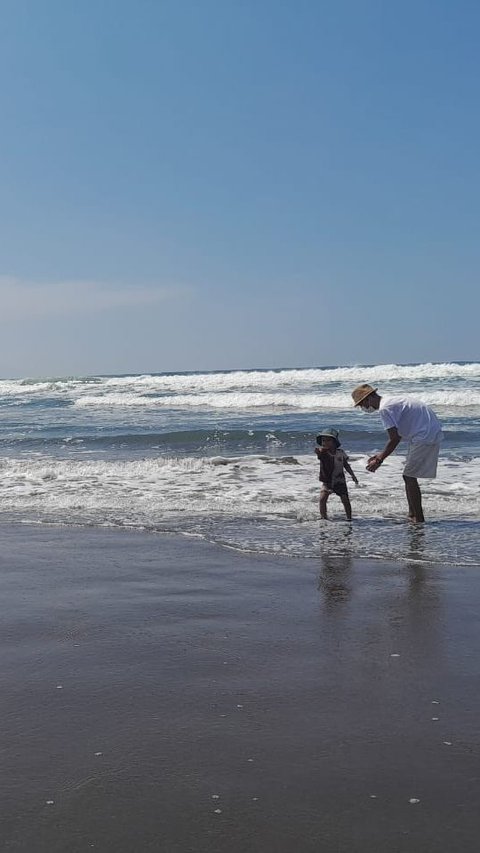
x=361, y=392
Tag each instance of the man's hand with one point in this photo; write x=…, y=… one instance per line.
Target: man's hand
x=374, y=462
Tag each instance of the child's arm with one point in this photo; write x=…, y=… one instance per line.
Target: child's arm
x=319, y=451
x=349, y=471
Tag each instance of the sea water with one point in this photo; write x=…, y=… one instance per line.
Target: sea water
x=228, y=456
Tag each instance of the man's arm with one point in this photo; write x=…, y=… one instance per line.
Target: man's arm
x=393, y=440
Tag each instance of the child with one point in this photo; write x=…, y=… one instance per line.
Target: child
x=333, y=462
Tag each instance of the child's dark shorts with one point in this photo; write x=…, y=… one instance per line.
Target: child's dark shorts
x=339, y=489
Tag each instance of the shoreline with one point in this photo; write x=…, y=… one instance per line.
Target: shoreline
x=417, y=544
x=162, y=693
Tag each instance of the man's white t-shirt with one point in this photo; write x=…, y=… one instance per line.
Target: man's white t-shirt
x=414, y=420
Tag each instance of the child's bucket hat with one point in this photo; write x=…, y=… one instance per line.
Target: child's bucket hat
x=329, y=433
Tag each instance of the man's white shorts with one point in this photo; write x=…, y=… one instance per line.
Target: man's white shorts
x=422, y=460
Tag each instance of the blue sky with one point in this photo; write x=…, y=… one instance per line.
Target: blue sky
x=202, y=184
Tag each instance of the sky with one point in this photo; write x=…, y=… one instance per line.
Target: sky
x=218, y=184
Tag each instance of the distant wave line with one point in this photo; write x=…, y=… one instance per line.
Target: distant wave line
x=256, y=400
x=247, y=379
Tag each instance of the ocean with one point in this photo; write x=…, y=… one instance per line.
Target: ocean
x=228, y=456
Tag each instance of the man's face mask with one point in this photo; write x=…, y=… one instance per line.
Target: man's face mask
x=368, y=409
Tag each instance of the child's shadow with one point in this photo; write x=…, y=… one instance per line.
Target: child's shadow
x=335, y=579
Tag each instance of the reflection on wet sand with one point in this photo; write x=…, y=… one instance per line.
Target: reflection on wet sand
x=396, y=607
x=416, y=541
x=335, y=579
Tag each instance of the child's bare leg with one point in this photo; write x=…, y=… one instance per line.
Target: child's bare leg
x=347, y=506
x=414, y=499
x=323, y=503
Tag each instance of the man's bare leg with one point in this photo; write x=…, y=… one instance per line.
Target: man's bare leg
x=411, y=510
x=414, y=499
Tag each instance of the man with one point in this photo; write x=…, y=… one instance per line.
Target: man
x=411, y=420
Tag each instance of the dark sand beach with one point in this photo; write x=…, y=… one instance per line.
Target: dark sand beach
x=163, y=694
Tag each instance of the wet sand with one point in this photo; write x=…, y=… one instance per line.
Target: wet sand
x=163, y=694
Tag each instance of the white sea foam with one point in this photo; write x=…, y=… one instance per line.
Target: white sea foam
x=307, y=377
x=243, y=401
x=251, y=380
x=255, y=501
x=259, y=502
x=452, y=386
x=442, y=385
